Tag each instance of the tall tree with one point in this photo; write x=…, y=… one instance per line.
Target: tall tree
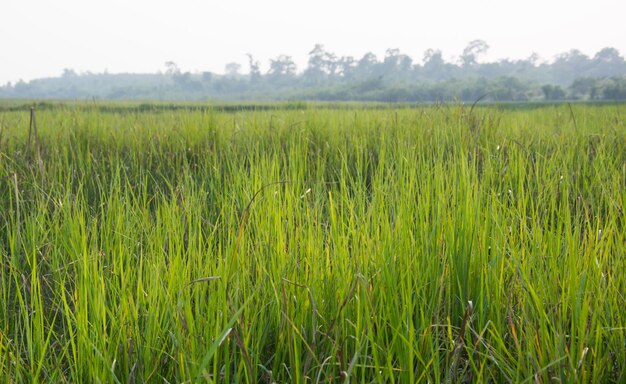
x=346, y=65
x=608, y=55
x=171, y=68
x=232, y=69
x=568, y=66
x=322, y=64
x=396, y=65
x=471, y=52
x=607, y=62
x=434, y=68
x=282, y=69
x=367, y=66
x=314, y=73
x=255, y=69
x=67, y=72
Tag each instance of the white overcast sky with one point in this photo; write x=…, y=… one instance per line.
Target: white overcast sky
x=39, y=38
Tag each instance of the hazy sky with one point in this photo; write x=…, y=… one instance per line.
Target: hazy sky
x=39, y=38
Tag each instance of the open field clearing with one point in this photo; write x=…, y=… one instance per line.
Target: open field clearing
x=431, y=244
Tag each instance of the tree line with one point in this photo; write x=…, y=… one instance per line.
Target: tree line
x=396, y=77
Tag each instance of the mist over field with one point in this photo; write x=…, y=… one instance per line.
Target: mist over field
x=396, y=77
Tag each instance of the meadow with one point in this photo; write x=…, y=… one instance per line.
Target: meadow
x=446, y=243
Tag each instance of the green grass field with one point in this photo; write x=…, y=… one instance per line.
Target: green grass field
x=431, y=244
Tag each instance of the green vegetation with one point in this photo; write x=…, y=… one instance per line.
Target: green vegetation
x=431, y=244
x=328, y=77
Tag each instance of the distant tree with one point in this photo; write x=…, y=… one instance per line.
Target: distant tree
x=171, y=68
x=184, y=81
x=315, y=73
x=569, y=66
x=366, y=67
x=547, y=91
x=583, y=88
x=21, y=88
x=607, y=62
x=614, y=89
x=471, y=52
x=67, y=72
x=321, y=65
x=282, y=68
x=330, y=64
x=232, y=69
x=397, y=60
x=346, y=65
x=207, y=77
x=432, y=57
x=396, y=64
x=255, y=69
x=434, y=67
x=523, y=69
x=533, y=59
x=509, y=89
x=553, y=92
x=373, y=84
x=574, y=56
x=330, y=77
x=182, y=78
x=608, y=55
